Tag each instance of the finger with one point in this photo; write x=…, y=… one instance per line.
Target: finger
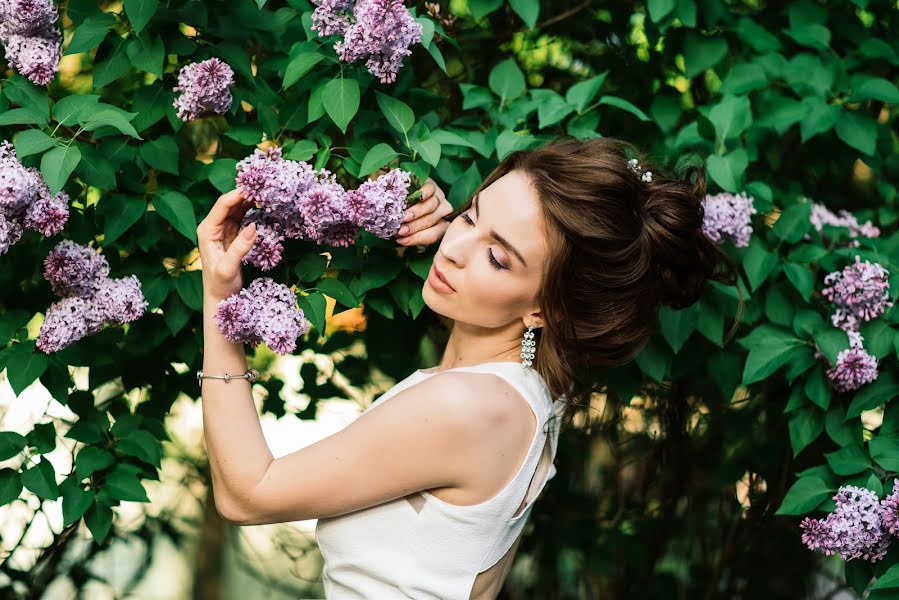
x=420, y=209
x=428, y=188
x=239, y=247
x=424, y=237
x=223, y=207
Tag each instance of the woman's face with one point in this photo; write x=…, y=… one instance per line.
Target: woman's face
x=493, y=284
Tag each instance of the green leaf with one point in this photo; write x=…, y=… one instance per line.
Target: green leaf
x=801, y=278
x=98, y=519
x=22, y=116
x=881, y=390
x=727, y=170
x=176, y=208
x=429, y=150
x=582, y=93
x=889, y=580
x=482, y=8
x=624, y=105
x=758, y=263
x=147, y=53
x=90, y=33
x=122, y=484
x=67, y=110
x=678, y=325
x=528, y=10
x=10, y=485
x=793, y=223
x=114, y=64
x=41, y=479
x=161, y=153
x=848, y=460
x=140, y=12
x=310, y=267
x=341, y=100
x=27, y=95
x=24, y=367
x=190, y=287
x=58, y=164
x=804, y=496
x=831, y=341
x=885, y=450
x=299, y=66
x=817, y=388
x=223, y=173
x=805, y=425
x=314, y=307
x=338, y=290
x=858, y=131
x=121, y=213
x=376, y=158
x=659, y=9
x=112, y=119
x=144, y=446
x=876, y=88
x=507, y=81
x=91, y=459
x=701, y=53
x=32, y=141
x=75, y=500
x=397, y=112
x=11, y=443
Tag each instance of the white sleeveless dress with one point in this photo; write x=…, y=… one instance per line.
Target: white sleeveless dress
x=394, y=550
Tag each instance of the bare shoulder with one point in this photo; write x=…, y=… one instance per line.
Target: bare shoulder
x=488, y=395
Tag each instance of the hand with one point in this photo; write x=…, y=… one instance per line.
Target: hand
x=222, y=245
x=426, y=225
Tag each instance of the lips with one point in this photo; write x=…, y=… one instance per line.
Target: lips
x=442, y=278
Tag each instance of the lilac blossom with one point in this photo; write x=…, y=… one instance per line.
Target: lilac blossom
x=854, y=529
x=204, y=86
x=379, y=31
x=73, y=269
x=727, y=216
x=264, y=311
x=821, y=216
x=31, y=38
x=889, y=510
x=854, y=368
x=26, y=201
x=331, y=17
x=90, y=298
x=380, y=203
x=295, y=201
x=860, y=292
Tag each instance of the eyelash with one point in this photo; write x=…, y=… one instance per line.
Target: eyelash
x=493, y=260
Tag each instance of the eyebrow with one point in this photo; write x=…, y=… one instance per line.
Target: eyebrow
x=503, y=241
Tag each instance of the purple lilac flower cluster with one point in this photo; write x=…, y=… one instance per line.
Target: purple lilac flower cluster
x=204, y=86
x=727, y=216
x=90, y=298
x=860, y=292
x=26, y=201
x=295, y=201
x=263, y=311
x=379, y=31
x=821, y=216
x=859, y=527
x=31, y=37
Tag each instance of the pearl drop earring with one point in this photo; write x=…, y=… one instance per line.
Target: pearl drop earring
x=527, y=347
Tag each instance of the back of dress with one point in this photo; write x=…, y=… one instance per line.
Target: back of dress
x=421, y=546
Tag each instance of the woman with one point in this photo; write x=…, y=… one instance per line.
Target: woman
x=427, y=496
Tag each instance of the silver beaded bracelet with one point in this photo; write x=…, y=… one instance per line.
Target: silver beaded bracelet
x=251, y=375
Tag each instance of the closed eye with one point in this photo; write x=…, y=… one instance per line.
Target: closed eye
x=493, y=261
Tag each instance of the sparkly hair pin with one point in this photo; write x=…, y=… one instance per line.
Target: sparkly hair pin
x=634, y=166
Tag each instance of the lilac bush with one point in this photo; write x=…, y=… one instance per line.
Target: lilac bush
x=855, y=528
x=860, y=292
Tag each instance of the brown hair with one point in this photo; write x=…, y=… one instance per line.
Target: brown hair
x=618, y=247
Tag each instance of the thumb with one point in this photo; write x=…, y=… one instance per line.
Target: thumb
x=240, y=246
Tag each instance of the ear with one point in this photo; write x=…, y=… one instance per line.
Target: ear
x=535, y=318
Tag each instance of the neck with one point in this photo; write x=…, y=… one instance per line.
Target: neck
x=472, y=345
